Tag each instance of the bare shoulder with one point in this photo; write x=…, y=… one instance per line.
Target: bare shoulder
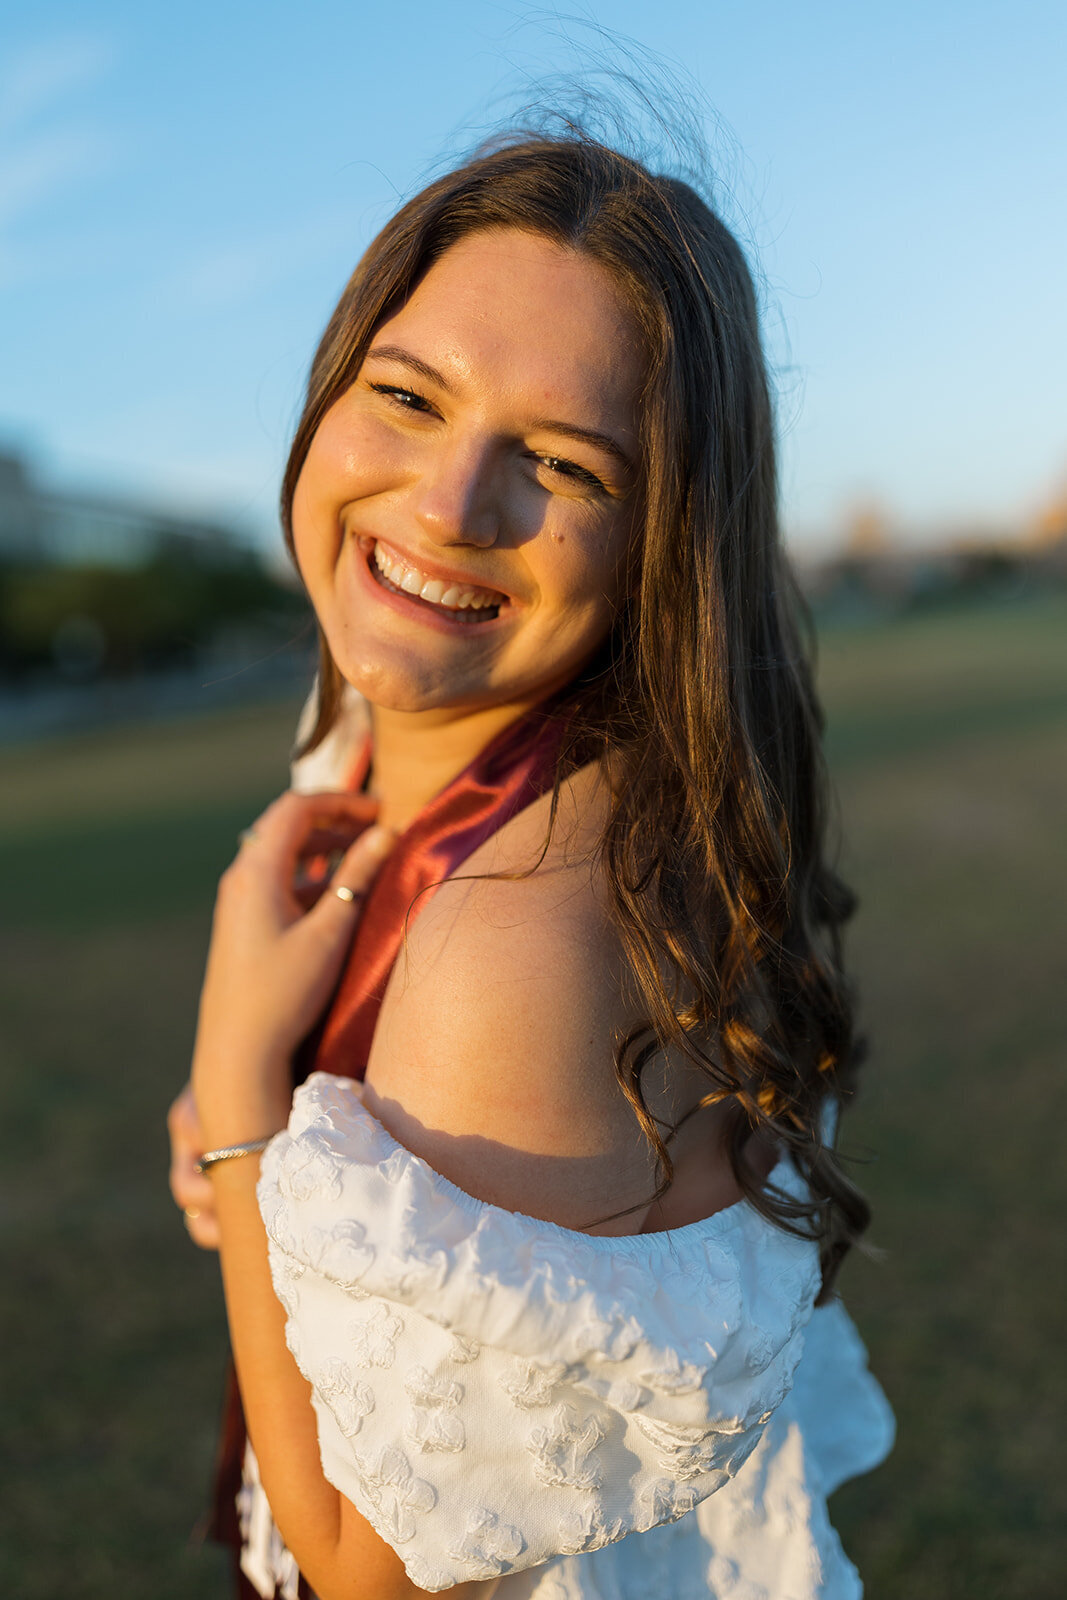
x=493, y=1057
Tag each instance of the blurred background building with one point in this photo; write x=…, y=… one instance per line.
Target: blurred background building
x=112, y=607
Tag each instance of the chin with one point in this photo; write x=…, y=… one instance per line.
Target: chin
x=408, y=687
x=392, y=691
x=405, y=680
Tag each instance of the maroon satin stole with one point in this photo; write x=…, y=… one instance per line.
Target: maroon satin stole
x=514, y=769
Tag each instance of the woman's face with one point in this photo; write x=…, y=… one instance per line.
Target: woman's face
x=464, y=517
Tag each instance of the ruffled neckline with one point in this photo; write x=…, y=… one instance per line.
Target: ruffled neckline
x=782, y=1176
x=343, y=1200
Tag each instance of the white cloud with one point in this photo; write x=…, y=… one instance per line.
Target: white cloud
x=35, y=78
x=33, y=174
x=49, y=145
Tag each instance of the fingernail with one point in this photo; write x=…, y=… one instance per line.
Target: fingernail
x=379, y=840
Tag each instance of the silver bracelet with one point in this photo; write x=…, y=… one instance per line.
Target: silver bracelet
x=211, y=1157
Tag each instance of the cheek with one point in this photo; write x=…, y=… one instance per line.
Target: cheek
x=584, y=582
x=316, y=539
x=349, y=459
x=596, y=571
x=316, y=526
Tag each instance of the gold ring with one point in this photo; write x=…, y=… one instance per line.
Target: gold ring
x=191, y=1213
x=247, y=836
x=348, y=895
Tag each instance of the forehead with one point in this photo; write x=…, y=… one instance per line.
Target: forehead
x=520, y=316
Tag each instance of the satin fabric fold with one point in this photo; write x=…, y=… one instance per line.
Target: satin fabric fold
x=512, y=771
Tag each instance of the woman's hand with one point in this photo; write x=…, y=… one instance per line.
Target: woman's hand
x=192, y=1190
x=282, y=926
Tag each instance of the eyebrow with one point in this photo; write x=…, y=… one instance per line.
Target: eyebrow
x=569, y=430
x=394, y=352
x=600, y=441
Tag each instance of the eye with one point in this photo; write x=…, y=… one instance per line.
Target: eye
x=406, y=399
x=560, y=467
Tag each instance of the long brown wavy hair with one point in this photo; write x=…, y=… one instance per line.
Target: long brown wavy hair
x=714, y=852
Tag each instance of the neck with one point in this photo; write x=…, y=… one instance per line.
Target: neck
x=416, y=753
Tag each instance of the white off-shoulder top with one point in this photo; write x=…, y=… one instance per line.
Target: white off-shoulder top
x=654, y=1417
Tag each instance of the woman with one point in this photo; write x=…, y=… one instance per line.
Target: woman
x=548, y=1271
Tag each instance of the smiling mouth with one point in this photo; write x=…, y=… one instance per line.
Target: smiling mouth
x=459, y=603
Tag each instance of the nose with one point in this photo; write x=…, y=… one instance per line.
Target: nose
x=458, y=498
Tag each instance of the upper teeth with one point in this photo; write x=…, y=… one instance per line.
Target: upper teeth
x=412, y=581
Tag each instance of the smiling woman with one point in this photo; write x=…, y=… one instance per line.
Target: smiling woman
x=464, y=516
x=541, y=1251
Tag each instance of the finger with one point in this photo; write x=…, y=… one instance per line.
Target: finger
x=312, y=878
x=291, y=828
x=360, y=864
x=322, y=853
x=193, y=1192
x=343, y=897
x=183, y=1124
x=339, y=802
x=294, y=816
x=191, y=1188
x=195, y=1198
x=202, y=1228
x=327, y=837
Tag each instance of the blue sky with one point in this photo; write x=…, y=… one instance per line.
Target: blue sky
x=184, y=190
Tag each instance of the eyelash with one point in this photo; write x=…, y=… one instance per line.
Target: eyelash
x=402, y=397
x=410, y=400
x=571, y=469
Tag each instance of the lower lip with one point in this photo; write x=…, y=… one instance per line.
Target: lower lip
x=406, y=606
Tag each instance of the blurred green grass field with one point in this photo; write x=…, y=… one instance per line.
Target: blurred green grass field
x=948, y=737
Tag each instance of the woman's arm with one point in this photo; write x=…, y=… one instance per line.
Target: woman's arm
x=192, y=1190
x=271, y=967
x=335, y=1548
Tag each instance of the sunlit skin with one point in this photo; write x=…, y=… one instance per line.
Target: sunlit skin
x=490, y=440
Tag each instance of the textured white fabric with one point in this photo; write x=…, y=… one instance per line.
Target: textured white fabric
x=503, y=1397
